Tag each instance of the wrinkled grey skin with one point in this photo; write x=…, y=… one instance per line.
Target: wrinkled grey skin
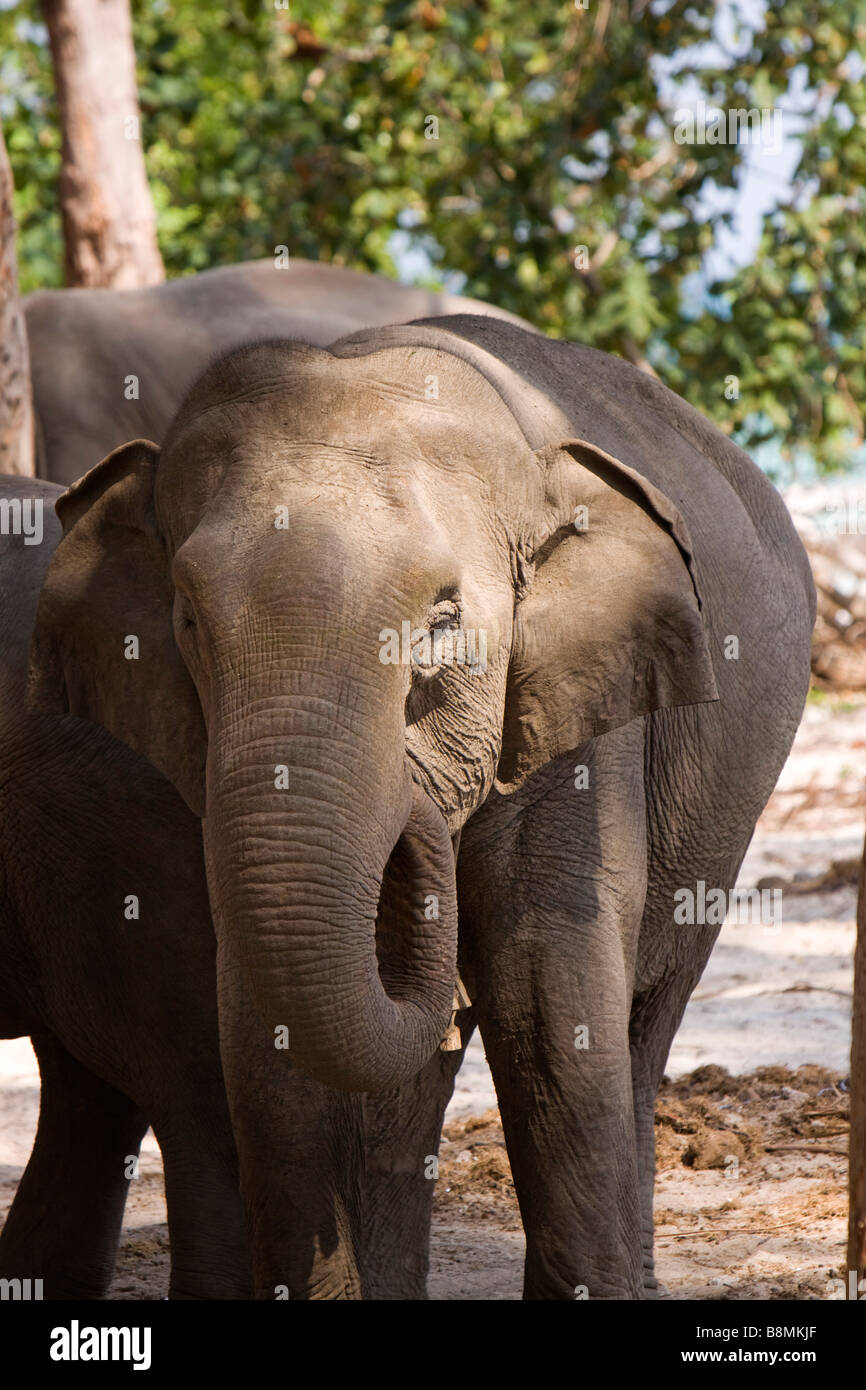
x=122, y=1012
x=84, y=344
x=614, y=749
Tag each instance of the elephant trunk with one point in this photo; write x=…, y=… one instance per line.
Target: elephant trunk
x=332, y=880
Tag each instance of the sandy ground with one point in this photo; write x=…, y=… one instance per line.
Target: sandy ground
x=746, y=1205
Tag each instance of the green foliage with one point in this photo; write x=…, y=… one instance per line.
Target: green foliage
x=308, y=128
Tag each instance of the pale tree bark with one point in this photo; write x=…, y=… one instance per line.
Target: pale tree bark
x=16, y=410
x=857, y=1136
x=109, y=223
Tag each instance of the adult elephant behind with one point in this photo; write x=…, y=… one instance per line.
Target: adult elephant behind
x=443, y=583
x=107, y=365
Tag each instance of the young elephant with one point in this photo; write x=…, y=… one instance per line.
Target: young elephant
x=107, y=962
x=107, y=955
x=444, y=582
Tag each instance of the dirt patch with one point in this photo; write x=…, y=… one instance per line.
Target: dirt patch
x=750, y=1191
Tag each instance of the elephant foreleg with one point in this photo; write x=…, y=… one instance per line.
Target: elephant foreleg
x=551, y=1015
x=552, y=888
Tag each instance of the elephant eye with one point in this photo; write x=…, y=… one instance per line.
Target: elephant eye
x=433, y=647
x=445, y=616
x=185, y=614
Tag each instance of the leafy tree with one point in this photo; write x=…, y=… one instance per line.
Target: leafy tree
x=555, y=185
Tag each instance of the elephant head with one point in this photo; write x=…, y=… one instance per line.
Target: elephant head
x=346, y=599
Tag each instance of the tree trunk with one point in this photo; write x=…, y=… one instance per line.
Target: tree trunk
x=109, y=224
x=16, y=409
x=857, y=1136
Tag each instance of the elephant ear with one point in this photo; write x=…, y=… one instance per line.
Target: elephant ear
x=103, y=645
x=610, y=626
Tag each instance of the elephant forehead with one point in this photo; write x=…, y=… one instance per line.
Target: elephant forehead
x=291, y=387
x=356, y=433
x=348, y=405
x=324, y=507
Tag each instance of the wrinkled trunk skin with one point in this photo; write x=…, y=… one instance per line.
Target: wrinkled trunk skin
x=296, y=874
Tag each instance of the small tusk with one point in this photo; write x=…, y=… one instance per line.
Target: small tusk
x=452, y=1041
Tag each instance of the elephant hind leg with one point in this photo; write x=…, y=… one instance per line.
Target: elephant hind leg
x=64, y=1224
x=679, y=954
x=654, y=1021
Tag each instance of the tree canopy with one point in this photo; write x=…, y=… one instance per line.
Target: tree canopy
x=528, y=151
